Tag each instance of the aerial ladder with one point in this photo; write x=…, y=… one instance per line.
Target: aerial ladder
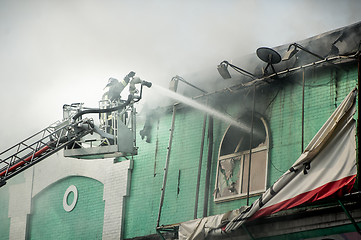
x=115, y=136
x=40, y=146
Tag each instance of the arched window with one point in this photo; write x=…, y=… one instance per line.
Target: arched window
x=233, y=160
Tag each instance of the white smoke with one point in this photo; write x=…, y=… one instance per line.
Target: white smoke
x=57, y=52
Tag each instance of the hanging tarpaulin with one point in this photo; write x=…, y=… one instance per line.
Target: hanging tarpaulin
x=198, y=229
x=326, y=168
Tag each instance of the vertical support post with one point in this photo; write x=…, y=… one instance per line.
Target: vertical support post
x=303, y=110
x=209, y=165
x=200, y=166
x=250, y=146
x=166, y=167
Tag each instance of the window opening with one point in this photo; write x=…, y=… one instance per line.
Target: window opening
x=233, y=161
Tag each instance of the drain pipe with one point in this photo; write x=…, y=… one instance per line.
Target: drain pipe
x=166, y=166
x=303, y=110
x=200, y=165
x=250, y=146
x=209, y=164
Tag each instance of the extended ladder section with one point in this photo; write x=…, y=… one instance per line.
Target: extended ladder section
x=41, y=145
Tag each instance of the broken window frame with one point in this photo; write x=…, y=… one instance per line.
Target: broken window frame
x=241, y=155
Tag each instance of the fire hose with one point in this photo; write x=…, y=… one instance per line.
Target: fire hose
x=131, y=97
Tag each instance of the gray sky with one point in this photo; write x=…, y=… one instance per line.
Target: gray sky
x=60, y=52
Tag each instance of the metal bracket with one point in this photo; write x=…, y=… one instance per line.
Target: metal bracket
x=350, y=217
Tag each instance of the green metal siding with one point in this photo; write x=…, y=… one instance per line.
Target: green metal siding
x=324, y=90
x=143, y=204
x=49, y=220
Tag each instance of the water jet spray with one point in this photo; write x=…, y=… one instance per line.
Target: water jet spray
x=194, y=104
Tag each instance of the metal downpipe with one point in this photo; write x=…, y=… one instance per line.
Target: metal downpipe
x=166, y=166
x=250, y=145
x=209, y=165
x=200, y=166
x=303, y=109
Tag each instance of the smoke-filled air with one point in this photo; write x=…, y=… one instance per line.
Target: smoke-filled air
x=61, y=52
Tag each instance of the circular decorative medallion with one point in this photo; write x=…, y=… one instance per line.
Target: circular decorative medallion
x=66, y=206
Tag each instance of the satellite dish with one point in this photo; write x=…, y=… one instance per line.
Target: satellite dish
x=268, y=55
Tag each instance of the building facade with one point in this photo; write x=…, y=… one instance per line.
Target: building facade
x=194, y=164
